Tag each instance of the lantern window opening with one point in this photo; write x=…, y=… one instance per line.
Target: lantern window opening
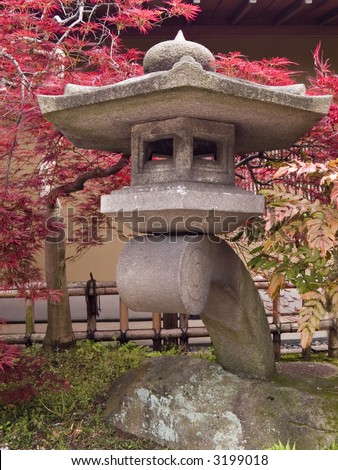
x=159, y=149
x=205, y=150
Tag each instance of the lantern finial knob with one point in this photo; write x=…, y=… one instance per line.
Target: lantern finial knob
x=166, y=54
x=180, y=36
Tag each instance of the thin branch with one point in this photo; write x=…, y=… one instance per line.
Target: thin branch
x=79, y=182
x=258, y=156
x=63, y=8
x=24, y=81
x=257, y=182
x=71, y=26
x=92, y=11
x=246, y=159
x=11, y=151
x=24, y=84
x=6, y=82
x=66, y=20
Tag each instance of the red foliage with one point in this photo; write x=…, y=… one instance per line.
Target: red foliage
x=179, y=7
x=275, y=71
x=21, y=236
x=29, y=379
x=8, y=353
x=314, y=156
x=43, y=46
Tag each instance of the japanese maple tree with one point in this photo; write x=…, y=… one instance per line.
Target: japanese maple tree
x=44, y=45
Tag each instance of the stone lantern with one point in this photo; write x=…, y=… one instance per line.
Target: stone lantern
x=183, y=124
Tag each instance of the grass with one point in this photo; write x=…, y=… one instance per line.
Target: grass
x=280, y=446
x=287, y=446
x=57, y=400
x=315, y=357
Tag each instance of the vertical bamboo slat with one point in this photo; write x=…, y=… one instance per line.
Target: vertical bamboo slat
x=91, y=300
x=184, y=323
x=30, y=316
x=276, y=318
x=157, y=321
x=170, y=321
x=157, y=329
x=124, y=319
x=306, y=353
x=333, y=340
x=91, y=324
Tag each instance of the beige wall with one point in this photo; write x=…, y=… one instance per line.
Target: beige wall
x=296, y=48
x=101, y=261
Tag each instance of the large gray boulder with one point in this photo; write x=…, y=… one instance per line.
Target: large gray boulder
x=191, y=403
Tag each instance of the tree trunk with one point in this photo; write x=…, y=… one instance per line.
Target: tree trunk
x=59, y=334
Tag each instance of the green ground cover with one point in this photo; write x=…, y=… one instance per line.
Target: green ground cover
x=57, y=400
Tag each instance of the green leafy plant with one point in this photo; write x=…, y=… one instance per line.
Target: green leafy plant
x=280, y=446
x=287, y=446
x=296, y=241
x=300, y=246
x=333, y=446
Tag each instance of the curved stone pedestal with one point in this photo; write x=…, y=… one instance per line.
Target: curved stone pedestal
x=201, y=275
x=186, y=402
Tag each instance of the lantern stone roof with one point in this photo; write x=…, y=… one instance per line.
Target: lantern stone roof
x=265, y=117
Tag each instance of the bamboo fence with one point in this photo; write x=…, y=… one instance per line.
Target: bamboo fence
x=166, y=328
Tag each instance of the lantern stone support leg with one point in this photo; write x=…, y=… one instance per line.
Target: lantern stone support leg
x=201, y=275
x=235, y=318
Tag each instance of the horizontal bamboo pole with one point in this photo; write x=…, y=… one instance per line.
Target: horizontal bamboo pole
x=72, y=292
x=265, y=284
x=292, y=327
x=9, y=294
x=138, y=334
x=79, y=291
x=105, y=335
x=22, y=338
x=81, y=284
x=74, y=289
x=108, y=288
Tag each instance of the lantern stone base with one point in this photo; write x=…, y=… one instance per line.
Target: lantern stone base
x=186, y=402
x=182, y=208
x=201, y=275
